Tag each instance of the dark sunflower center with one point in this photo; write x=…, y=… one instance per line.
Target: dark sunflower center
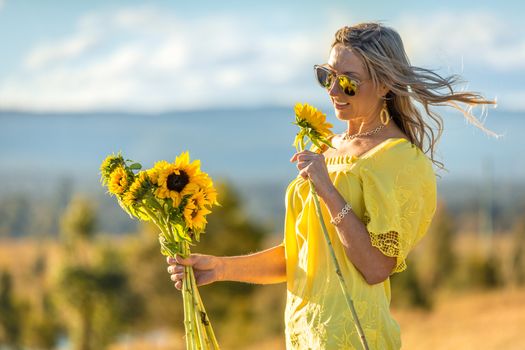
x=177, y=182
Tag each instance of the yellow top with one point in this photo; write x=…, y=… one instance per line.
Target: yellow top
x=392, y=189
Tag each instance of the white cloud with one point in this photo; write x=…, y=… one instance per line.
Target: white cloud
x=143, y=58
x=62, y=51
x=151, y=60
x=451, y=38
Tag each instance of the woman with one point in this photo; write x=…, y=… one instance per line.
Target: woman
x=379, y=193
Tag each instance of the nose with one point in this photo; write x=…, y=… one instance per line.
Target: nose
x=334, y=89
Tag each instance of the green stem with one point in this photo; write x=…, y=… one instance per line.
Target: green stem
x=156, y=220
x=202, y=318
x=202, y=344
x=207, y=325
x=342, y=282
x=338, y=272
x=197, y=337
x=169, y=235
x=189, y=313
x=198, y=331
x=188, y=327
x=201, y=332
x=170, y=231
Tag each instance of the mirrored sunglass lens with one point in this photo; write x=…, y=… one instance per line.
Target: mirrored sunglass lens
x=348, y=85
x=323, y=77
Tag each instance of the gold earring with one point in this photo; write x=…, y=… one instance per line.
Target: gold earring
x=384, y=115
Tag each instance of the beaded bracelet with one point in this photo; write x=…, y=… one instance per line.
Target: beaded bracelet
x=346, y=209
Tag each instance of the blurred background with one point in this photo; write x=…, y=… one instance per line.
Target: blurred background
x=81, y=80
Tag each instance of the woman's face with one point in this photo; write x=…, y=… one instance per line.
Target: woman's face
x=366, y=101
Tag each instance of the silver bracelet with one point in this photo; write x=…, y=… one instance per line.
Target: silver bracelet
x=346, y=209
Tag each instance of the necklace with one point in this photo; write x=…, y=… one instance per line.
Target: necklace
x=347, y=136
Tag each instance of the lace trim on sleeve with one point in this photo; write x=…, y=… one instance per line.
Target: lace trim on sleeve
x=389, y=244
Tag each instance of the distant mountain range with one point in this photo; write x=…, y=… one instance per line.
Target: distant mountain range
x=250, y=148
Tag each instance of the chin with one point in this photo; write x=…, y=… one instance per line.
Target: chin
x=343, y=114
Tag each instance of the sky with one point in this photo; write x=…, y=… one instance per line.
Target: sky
x=155, y=56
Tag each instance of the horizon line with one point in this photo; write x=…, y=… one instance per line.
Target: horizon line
x=123, y=111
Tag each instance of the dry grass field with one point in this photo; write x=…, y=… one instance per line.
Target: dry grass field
x=492, y=320
x=483, y=320
x=473, y=321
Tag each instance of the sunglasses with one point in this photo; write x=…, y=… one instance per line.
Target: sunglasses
x=325, y=78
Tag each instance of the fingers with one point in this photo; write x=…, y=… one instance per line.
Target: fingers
x=304, y=155
x=172, y=269
x=176, y=270
x=304, y=168
x=197, y=261
x=189, y=261
x=177, y=276
x=304, y=174
x=200, y=279
x=178, y=285
x=304, y=160
x=302, y=165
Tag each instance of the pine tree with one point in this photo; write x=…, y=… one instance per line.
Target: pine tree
x=518, y=254
x=93, y=284
x=438, y=260
x=10, y=313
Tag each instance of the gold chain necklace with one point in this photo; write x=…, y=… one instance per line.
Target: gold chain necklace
x=347, y=136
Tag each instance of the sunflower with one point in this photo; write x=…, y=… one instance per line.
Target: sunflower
x=176, y=180
x=312, y=124
x=119, y=181
x=211, y=196
x=109, y=165
x=195, y=215
x=183, y=162
x=153, y=173
x=206, y=197
x=202, y=179
x=138, y=189
x=312, y=118
x=206, y=188
x=199, y=198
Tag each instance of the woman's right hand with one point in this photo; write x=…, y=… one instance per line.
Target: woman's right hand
x=207, y=268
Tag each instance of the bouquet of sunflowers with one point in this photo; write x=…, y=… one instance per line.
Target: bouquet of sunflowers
x=177, y=197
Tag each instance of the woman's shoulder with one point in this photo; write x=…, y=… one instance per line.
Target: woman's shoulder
x=397, y=154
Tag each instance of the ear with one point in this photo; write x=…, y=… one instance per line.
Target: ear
x=382, y=90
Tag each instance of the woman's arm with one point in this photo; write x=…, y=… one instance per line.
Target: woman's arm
x=266, y=267
x=369, y=260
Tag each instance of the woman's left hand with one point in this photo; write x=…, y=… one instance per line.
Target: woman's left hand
x=312, y=166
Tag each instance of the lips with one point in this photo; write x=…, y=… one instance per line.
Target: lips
x=340, y=105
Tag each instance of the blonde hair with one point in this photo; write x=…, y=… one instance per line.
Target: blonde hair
x=382, y=52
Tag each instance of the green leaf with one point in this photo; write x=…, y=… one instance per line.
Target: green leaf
x=326, y=142
x=135, y=166
x=315, y=142
x=152, y=202
x=168, y=248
